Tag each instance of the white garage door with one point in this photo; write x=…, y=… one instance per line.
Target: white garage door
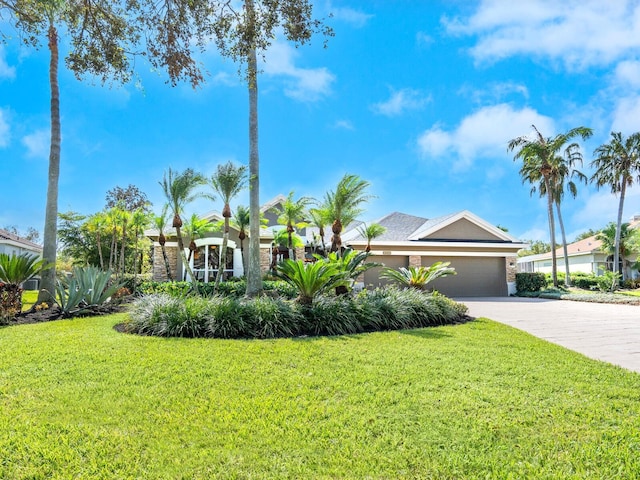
x=476, y=277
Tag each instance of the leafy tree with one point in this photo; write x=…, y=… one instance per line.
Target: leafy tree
x=292, y=214
x=536, y=247
x=625, y=242
x=160, y=223
x=418, y=277
x=228, y=181
x=617, y=165
x=130, y=199
x=179, y=189
x=344, y=205
x=540, y=159
x=370, y=232
x=589, y=233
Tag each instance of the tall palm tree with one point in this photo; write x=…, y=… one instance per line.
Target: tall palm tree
x=291, y=213
x=96, y=224
x=139, y=220
x=196, y=228
x=240, y=221
x=617, y=165
x=227, y=181
x=370, y=232
x=160, y=222
x=539, y=158
x=344, y=205
x=180, y=189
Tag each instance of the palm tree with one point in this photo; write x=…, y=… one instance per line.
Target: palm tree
x=344, y=205
x=617, y=165
x=539, y=158
x=196, y=228
x=320, y=218
x=240, y=221
x=291, y=214
x=96, y=224
x=139, y=220
x=160, y=222
x=228, y=181
x=608, y=238
x=179, y=189
x=371, y=232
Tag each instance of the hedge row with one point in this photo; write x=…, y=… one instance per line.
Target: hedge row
x=234, y=288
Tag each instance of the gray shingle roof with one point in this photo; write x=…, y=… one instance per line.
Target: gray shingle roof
x=399, y=227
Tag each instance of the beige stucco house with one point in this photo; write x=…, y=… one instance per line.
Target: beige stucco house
x=584, y=256
x=483, y=255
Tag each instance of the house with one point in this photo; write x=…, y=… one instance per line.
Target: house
x=483, y=255
x=585, y=256
x=12, y=244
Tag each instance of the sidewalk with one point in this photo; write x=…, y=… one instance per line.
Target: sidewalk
x=601, y=331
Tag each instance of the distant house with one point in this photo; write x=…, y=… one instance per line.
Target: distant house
x=483, y=255
x=584, y=256
x=12, y=244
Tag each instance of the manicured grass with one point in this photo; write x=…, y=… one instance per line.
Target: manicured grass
x=630, y=293
x=479, y=400
x=29, y=297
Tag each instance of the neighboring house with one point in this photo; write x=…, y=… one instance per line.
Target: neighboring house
x=12, y=244
x=483, y=255
x=585, y=256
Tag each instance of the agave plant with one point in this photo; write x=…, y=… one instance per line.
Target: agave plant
x=88, y=288
x=310, y=279
x=14, y=271
x=418, y=277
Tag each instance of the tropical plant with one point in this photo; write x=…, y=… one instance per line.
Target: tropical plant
x=228, y=181
x=292, y=213
x=320, y=218
x=344, y=206
x=97, y=224
x=88, y=289
x=240, y=221
x=195, y=228
x=160, y=222
x=351, y=263
x=14, y=271
x=179, y=189
x=617, y=165
x=418, y=277
x=370, y=232
x=625, y=243
x=311, y=279
x=541, y=159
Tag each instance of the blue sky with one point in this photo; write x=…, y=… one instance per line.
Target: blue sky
x=420, y=98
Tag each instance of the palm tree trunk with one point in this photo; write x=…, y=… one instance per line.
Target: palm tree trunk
x=552, y=231
x=166, y=263
x=223, y=252
x=567, y=274
x=122, y=247
x=47, y=288
x=616, y=251
x=185, y=262
x=98, y=239
x=254, y=275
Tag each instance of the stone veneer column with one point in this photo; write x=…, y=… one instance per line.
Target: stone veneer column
x=159, y=269
x=415, y=261
x=265, y=259
x=511, y=265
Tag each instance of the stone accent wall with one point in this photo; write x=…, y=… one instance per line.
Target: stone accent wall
x=300, y=253
x=159, y=269
x=265, y=259
x=415, y=261
x=511, y=270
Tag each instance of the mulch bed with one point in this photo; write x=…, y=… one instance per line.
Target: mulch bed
x=54, y=313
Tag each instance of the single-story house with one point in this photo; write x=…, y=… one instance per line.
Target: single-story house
x=12, y=244
x=483, y=255
x=585, y=256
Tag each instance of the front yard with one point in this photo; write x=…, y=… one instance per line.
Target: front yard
x=478, y=400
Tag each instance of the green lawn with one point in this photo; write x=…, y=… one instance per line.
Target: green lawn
x=479, y=400
x=29, y=297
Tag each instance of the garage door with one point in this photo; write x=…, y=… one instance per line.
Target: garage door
x=476, y=277
x=372, y=276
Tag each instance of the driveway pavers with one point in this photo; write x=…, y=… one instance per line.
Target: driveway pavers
x=601, y=331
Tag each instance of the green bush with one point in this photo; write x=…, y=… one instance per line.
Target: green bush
x=234, y=288
x=530, y=282
x=219, y=316
x=586, y=281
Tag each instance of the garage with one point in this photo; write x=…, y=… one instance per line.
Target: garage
x=372, y=276
x=476, y=277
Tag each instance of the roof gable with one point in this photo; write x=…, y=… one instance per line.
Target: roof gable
x=461, y=226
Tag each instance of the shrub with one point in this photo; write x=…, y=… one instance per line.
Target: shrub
x=267, y=317
x=530, y=282
x=88, y=289
x=235, y=288
x=585, y=281
x=608, y=281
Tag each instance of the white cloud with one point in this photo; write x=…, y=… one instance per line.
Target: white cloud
x=349, y=15
x=626, y=117
x=601, y=207
x=495, y=92
x=6, y=71
x=578, y=33
x=37, y=144
x=4, y=130
x=401, y=101
x=304, y=84
x=224, y=78
x=628, y=73
x=484, y=133
x=424, y=39
x=343, y=125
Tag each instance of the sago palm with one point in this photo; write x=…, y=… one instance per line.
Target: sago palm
x=310, y=279
x=617, y=165
x=418, y=277
x=14, y=271
x=227, y=181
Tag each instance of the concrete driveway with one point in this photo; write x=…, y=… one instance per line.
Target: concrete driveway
x=601, y=331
